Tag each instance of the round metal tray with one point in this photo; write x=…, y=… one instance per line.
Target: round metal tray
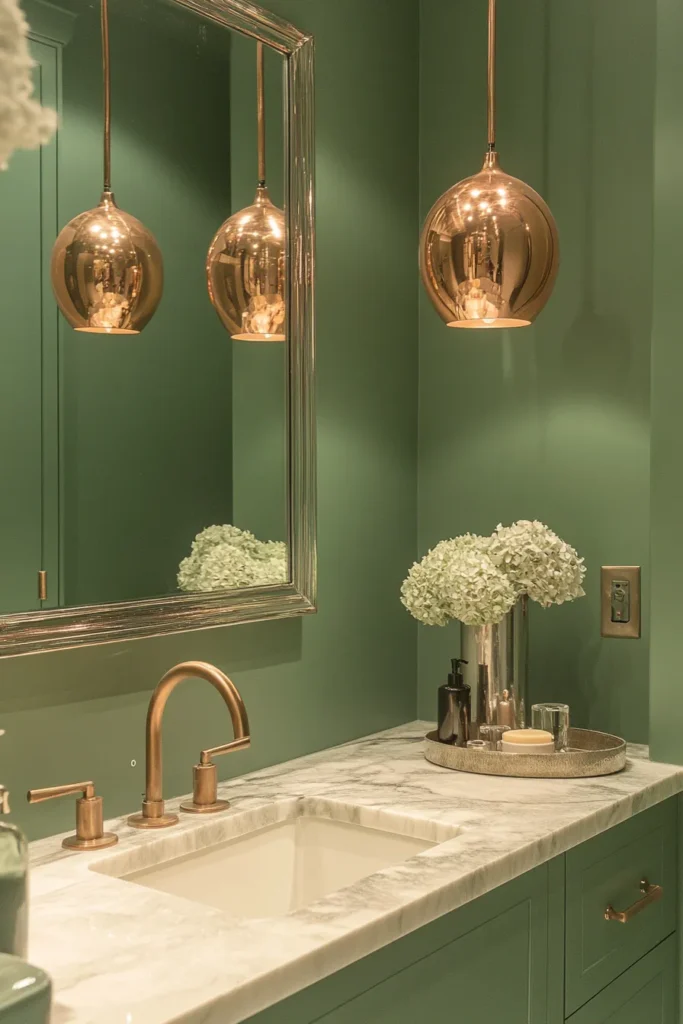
x=590, y=753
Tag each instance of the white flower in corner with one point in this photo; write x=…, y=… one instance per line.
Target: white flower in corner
x=537, y=562
x=458, y=580
x=24, y=124
x=227, y=558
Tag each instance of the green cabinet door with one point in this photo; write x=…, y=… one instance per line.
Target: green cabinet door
x=28, y=343
x=645, y=994
x=487, y=961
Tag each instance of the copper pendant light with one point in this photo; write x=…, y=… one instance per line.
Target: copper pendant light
x=107, y=272
x=489, y=249
x=245, y=265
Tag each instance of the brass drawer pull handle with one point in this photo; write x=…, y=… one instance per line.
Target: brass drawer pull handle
x=651, y=894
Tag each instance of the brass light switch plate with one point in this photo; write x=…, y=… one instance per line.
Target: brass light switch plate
x=620, y=601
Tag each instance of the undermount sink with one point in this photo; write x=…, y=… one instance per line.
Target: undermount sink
x=282, y=867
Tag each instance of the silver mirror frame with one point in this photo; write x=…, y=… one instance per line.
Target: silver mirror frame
x=57, y=629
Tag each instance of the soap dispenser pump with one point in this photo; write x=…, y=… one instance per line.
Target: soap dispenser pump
x=13, y=883
x=454, y=707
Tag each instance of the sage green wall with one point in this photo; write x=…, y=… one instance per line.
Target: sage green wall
x=350, y=669
x=551, y=422
x=667, y=411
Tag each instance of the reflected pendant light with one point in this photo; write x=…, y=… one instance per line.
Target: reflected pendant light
x=245, y=265
x=489, y=249
x=107, y=272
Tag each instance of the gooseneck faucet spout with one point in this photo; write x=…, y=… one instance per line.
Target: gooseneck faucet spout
x=204, y=800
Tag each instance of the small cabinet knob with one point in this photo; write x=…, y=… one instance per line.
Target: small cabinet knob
x=90, y=834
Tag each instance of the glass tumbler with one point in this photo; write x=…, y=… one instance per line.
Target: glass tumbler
x=554, y=718
x=492, y=735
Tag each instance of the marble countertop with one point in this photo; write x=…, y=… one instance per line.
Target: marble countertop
x=119, y=953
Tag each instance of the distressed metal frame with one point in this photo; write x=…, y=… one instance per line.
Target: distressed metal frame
x=56, y=629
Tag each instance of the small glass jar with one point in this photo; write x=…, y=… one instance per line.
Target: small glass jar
x=477, y=745
x=492, y=735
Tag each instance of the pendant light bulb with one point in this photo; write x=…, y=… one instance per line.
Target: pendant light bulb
x=107, y=271
x=489, y=250
x=245, y=265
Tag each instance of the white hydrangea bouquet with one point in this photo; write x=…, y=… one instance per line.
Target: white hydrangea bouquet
x=478, y=579
x=225, y=558
x=24, y=124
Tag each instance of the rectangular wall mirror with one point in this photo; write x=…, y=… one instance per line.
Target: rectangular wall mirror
x=163, y=480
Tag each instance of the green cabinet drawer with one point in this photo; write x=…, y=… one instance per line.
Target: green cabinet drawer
x=645, y=994
x=607, y=871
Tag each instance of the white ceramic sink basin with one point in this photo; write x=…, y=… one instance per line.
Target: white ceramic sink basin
x=273, y=870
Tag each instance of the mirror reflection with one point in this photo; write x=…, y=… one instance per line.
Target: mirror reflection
x=146, y=459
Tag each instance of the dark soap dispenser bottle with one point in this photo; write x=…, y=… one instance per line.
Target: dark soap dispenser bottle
x=454, y=707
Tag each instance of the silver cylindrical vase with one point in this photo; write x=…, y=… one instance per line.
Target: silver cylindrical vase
x=497, y=670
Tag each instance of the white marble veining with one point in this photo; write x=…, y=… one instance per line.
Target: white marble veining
x=119, y=953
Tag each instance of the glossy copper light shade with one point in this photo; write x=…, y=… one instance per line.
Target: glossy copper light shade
x=106, y=270
x=245, y=270
x=489, y=250
x=245, y=265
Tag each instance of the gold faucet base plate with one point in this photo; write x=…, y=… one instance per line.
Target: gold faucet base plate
x=74, y=843
x=192, y=808
x=165, y=821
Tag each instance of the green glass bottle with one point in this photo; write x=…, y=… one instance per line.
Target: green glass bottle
x=13, y=883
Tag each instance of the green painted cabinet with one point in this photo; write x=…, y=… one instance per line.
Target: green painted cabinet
x=28, y=213
x=645, y=994
x=446, y=969
x=535, y=951
x=510, y=945
x=609, y=870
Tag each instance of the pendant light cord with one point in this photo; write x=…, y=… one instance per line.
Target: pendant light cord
x=260, y=116
x=104, y=15
x=491, y=81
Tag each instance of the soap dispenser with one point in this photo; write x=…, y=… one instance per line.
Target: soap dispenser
x=13, y=883
x=454, y=707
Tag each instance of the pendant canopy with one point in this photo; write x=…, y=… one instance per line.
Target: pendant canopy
x=245, y=265
x=107, y=271
x=489, y=250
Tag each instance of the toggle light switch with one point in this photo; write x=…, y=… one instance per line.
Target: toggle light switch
x=620, y=601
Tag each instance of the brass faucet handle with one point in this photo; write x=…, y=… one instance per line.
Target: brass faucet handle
x=90, y=834
x=226, y=748
x=205, y=779
x=36, y=796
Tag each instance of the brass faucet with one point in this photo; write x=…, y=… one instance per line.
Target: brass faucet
x=205, y=778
